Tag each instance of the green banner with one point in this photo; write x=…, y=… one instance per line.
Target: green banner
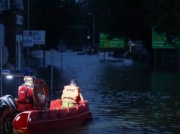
x=106, y=42
x=159, y=41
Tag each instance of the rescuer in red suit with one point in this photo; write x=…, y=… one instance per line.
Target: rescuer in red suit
x=25, y=95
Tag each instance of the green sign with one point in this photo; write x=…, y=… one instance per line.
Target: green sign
x=106, y=42
x=159, y=41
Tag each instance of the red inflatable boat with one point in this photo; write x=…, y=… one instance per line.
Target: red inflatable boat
x=55, y=119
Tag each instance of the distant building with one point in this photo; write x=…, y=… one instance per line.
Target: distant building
x=12, y=15
x=6, y=5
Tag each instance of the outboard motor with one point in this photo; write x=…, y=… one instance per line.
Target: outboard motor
x=7, y=112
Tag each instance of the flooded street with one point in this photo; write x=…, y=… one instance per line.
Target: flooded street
x=124, y=97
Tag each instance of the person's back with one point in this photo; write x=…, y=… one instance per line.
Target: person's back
x=25, y=95
x=71, y=95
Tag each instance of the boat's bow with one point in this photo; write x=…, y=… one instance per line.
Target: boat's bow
x=53, y=119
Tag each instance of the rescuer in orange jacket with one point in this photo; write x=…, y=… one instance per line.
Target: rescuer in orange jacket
x=25, y=95
x=71, y=95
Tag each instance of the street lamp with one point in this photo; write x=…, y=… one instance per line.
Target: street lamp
x=93, y=28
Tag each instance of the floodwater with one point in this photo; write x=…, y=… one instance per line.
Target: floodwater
x=125, y=97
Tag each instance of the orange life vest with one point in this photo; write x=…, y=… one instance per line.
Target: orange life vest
x=25, y=98
x=71, y=93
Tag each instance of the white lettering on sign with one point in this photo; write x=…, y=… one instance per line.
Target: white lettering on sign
x=37, y=35
x=28, y=41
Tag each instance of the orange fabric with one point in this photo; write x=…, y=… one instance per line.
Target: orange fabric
x=71, y=94
x=55, y=104
x=39, y=98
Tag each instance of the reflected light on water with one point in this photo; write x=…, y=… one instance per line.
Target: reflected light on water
x=125, y=97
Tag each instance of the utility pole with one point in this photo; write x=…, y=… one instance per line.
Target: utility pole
x=28, y=16
x=93, y=16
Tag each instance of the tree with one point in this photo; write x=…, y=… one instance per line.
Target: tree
x=55, y=17
x=164, y=17
x=120, y=17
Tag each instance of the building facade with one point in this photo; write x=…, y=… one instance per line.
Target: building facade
x=11, y=20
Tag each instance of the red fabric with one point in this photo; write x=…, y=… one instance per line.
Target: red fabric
x=25, y=98
x=24, y=107
x=55, y=104
x=23, y=93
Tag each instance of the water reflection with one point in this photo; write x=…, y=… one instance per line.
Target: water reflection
x=125, y=97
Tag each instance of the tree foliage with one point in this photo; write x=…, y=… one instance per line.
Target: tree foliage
x=164, y=17
x=120, y=17
x=136, y=19
x=55, y=17
x=128, y=18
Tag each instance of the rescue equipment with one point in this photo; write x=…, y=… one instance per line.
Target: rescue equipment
x=52, y=120
x=71, y=93
x=25, y=94
x=40, y=93
x=25, y=98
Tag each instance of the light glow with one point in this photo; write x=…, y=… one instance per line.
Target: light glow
x=9, y=76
